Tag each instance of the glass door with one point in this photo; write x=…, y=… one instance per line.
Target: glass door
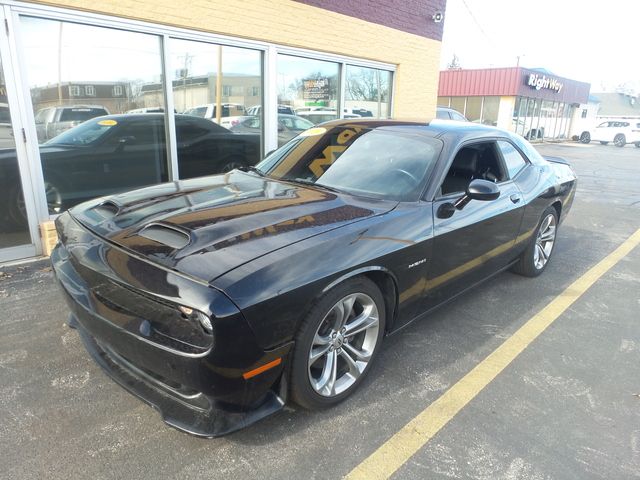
x=15, y=229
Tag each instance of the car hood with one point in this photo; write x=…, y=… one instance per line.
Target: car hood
x=207, y=226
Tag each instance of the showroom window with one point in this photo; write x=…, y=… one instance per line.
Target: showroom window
x=210, y=135
x=308, y=87
x=367, y=92
x=490, y=106
x=108, y=154
x=131, y=87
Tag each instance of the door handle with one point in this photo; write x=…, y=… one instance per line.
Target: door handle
x=515, y=198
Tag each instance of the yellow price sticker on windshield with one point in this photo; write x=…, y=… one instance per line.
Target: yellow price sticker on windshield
x=313, y=132
x=107, y=123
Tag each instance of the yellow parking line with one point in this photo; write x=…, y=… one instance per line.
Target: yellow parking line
x=389, y=457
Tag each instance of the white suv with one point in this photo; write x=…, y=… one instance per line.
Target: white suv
x=620, y=132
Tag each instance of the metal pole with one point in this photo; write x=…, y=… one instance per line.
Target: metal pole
x=219, y=87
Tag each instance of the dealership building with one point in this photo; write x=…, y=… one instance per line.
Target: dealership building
x=534, y=103
x=172, y=74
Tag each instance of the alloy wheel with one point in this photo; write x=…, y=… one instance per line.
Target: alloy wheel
x=544, y=241
x=343, y=344
x=620, y=140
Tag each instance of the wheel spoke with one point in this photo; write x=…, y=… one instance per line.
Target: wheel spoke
x=542, y=255
x=319, y=340
x=548, y=234
x=316, y=353
x=354, y=370
x=327, y=380
x=361, y=355
x=361, y=323
x=346, y=306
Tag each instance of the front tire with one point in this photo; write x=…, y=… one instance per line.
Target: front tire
x=536, y=256
x=620, y=140
x=337, y=343
x=585, y=137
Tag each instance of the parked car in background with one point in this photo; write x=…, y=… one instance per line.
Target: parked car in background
x=362, y=112
x=445, y=113
x=218, y=300
x=620, y=132
x=119, y=152
x=257, y=109
x=209, y=110
x=52, y=121
x=289, y=126
x=147, y=110
x=324, y=115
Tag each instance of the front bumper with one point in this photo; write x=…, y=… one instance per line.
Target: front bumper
x=199, y=389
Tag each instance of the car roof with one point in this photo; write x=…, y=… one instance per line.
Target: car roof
x=431, y=128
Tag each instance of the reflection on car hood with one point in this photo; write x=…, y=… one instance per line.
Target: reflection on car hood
x=206, y=226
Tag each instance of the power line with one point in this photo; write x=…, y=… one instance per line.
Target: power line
x=475, y=20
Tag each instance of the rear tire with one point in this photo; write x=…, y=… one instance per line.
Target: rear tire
x=638, y=145
x=337, y=343
x=620, y=140
x=536, y=256
x=585, y=137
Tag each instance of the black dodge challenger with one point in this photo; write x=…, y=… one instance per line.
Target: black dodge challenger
x=218, y=299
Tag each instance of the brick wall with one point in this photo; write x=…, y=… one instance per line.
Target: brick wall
x=292, y=23
x=413, y=16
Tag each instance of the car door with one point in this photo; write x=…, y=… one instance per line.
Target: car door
x=136, y=152
x=476, y=241
x=603, y=132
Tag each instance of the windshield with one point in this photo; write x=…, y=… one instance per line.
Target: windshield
x=383, y=163
x=84, y=134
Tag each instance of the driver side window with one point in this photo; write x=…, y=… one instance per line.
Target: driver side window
x=476, y=161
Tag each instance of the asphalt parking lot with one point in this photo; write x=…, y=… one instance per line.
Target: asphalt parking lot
x=568, y=407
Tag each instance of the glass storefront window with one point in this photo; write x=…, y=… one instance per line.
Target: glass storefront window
x=490, y=110
x=473, y=111
x=86, y=83
x=308, y=88
x=443, y=101
x=457, y=103
x=217, y=92
x=367, y=92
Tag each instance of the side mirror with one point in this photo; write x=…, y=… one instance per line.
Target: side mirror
x=478, y=189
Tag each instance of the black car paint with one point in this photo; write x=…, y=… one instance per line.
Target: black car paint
x=271, y=248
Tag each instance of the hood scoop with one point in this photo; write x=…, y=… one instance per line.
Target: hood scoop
x=166, y=235
x=107, y=209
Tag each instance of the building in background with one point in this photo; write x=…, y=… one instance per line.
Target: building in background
x=531, y=102
x=618, y=106
x=172, y=75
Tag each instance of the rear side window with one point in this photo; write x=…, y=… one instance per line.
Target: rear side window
x=442, y=115
x=456, y=116
x=512, y=158
x=80, y=114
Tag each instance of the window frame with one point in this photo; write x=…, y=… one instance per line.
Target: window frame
x=527, y=162
x=437, y=192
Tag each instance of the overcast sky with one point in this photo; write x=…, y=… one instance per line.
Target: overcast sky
x=595, y=42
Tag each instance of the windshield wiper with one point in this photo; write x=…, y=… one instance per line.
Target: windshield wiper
x=311, y=183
